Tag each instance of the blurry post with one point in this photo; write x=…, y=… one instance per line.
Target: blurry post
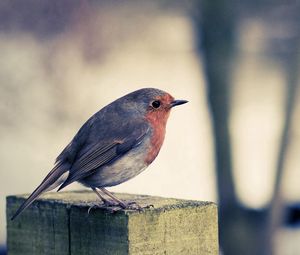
x=241, y=229
x=290, y=61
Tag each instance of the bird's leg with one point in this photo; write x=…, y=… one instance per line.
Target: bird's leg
x=114, y=198
x=105, y=201
x=131, y=205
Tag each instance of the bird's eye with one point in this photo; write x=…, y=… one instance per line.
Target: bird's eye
x=156, y=104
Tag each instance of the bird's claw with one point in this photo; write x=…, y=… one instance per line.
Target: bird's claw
x=149, y=206
x=106, y=204
x=113, y=207
x=92, y=207
x=135, y=206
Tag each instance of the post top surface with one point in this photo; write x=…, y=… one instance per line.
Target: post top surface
x=88, y=198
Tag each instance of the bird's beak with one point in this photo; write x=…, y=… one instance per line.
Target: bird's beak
x=178, y=102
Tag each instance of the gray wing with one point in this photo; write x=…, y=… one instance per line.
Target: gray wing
x=105, y=152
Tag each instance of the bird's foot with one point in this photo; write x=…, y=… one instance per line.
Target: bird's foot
x=135, y=206
x=113, y=207
x=107, y=204
x=92, y=207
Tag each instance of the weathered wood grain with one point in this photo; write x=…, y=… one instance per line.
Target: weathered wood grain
x=59, y=223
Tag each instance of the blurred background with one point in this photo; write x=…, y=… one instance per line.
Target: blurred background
x=236, y=142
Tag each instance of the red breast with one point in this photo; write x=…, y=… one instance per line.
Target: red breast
x=158, y=120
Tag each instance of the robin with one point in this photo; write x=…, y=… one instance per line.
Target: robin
x=116, y=144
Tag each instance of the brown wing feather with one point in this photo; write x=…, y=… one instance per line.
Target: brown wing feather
x=100, y=155
x=91, y=160
x=93, y=154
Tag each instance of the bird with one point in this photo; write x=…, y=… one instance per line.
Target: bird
x=114, y=145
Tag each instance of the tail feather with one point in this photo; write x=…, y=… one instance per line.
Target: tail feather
x=51, y=181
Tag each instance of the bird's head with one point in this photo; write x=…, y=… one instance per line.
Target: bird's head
x=154, y=104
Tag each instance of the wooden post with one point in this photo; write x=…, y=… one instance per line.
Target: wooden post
x=59, y=223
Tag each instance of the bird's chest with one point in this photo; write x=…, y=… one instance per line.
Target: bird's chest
x=158, y=123
x=156, y=141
